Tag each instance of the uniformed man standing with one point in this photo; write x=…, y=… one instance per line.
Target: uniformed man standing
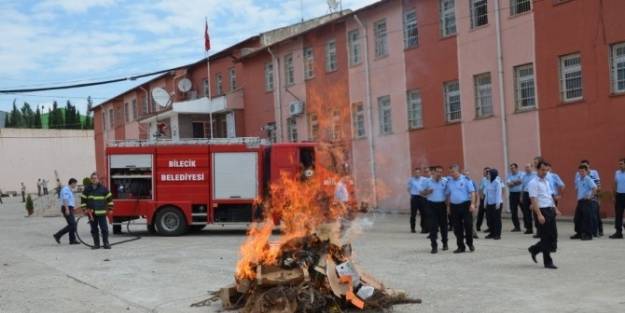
x=541, y=197
x=597, y=223
x=67, y=208
x=557, y=185
x=525, y=200
x=619, y=199
x=98, y=202
x=482, y=209
x=515, y=186
x=584, y=212
x=434, y=191
x=494, y=203
x=460, y=194
x=416, y=201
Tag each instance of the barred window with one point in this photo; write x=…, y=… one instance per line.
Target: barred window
x=524, y=88
x=331, y=56
x=452, y=101
x=134, y=109
x=309, y=70
x=289, y=70
x=618, y=68
x=291, y=124
x=411, y=33
x=219, y=85
x=268, y=76
x=483, y=95
x=144, y=104
x=520, y=6
x=358, y=119
x=571, y=77
x=448, y=17
x=415, y=109
x=381, y=38
x=313, y=123
x=384, y=114
x=127, y=112
x=479, y=13
x=205, y=87
x=232, y=75
x=355, y=53
x=111, y=118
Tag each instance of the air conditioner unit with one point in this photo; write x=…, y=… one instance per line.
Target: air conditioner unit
x=296, y=108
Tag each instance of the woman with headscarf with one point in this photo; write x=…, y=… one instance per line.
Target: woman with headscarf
x=494, y=202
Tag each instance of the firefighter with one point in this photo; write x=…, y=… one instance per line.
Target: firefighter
x=98, y=202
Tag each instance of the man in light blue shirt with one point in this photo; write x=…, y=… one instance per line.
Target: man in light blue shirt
x=515, y=186
x=67, y=208
x=434, y=191
x=619, y=199
x=556, y=184
x=461, y=197
x=528, y=176
x=417, y=202
x=584, y=213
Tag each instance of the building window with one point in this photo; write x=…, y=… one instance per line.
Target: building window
x=381, y=38
x=289, y=70
x=269, y=76
x=331, y=56
x=520, y=6
x=134, y=109
x=205, y=90
x=309, y=63
x=313, y=123
x=358, y=119
x=524, y=89
x=111, y=118
x=415, y=109
x=618, y=68
x=479, y=13
x=385, y=118
x=271, y=131
x=232, y=76
x=355, y=50
x=219, y=85
x=448, y=17
x=126, y=112
x=411, y=33
x=571, y=77
x=291, y=128
x=452, y=101
x=337, y=131
x=483, y=95
x=105, y=123
x=144, y=105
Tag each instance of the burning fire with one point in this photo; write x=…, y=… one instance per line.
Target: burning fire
x=302, y=205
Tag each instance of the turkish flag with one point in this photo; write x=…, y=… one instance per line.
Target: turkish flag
x=207, y=40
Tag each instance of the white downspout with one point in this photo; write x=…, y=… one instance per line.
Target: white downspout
x=277, y=95
x=502, y=101
x=370, y=111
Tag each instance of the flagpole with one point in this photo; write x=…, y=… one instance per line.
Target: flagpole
x=208, y=74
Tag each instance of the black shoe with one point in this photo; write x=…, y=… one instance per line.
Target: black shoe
x=586, y=238
x=459, y=250
x=57, y=239
x=487, y=230
x=424, y=231
x=515, y=230
x=528, y=232
x=551, y=266
x=496, y=237
x=616, y=236
x=95, y=247
x=74, y=243
x=413, y=231
x=445, y=247
x=533, y=255
x=434, y=250
x=600, y=234
x=107, y=247
x=471, y=248
x=576, y=236
x=489, y=237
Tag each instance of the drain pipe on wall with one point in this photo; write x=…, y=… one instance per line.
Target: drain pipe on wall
x=277, y=101
x=502, y=99
x=374, y=187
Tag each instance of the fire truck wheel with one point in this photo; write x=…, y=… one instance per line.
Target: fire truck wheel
x=170, y=222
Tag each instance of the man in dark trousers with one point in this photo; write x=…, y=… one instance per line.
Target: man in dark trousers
x=541, y=197
x=434, y=191
x=482, y=208
x=515, y=186
x=619, y=199
x=98, y=202
x=584, y=212
x=67, y=208
x=417, y=202
x=526, y=203
x=461, y=197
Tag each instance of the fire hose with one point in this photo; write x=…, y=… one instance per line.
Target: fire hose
x=90, y=220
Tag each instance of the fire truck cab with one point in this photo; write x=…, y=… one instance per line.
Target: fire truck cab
x=184, y=186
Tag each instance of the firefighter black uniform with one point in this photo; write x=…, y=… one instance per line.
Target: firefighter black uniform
x=98, y=201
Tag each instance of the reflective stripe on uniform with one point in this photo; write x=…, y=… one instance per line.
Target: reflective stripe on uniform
x=83, y=196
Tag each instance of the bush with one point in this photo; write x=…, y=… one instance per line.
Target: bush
x=86, y=181
x=29, y=205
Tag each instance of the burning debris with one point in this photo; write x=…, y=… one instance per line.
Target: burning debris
x=308, y=268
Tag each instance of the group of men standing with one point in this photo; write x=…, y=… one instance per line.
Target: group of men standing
x=535, y=192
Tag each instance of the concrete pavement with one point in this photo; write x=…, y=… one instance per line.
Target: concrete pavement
x=163, y=274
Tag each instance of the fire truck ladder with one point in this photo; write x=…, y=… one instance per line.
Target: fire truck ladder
x=248, y=141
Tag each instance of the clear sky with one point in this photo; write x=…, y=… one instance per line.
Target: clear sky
x=51, y=42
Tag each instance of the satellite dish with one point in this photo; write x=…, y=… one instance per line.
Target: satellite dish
x=161, y=96
x=184, y=85
x=333, y=5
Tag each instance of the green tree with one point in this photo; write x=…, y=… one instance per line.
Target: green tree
x=88, y=120
x=28, y=115
x=7, y=121
x=37, y=119
x=29, y=205
x=16, y=117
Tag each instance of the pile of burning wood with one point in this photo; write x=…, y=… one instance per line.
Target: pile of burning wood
x=311, y=273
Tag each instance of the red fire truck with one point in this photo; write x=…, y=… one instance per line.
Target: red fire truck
x=183, y=186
